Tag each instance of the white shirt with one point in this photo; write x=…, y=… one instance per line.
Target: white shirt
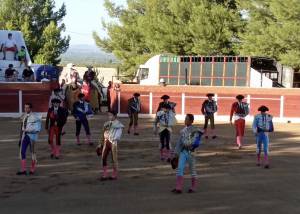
x=9, y=43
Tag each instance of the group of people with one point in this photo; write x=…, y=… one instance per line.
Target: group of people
x=11, y=74
x=11, y=45
x=183, y=153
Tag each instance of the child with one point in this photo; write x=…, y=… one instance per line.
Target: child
x=166, y=119
x=22, y=56
x=239, y=110
x=81, y=111
x=112, y=135
x=55, y=121
x=209, y=108
x=262, y=125
x=190, y=139
x=31, y=126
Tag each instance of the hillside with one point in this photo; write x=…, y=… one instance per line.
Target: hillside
x=87, y=55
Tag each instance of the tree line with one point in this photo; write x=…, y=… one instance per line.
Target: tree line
x=144, y=28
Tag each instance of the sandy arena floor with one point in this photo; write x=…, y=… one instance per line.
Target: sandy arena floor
x=229, y=180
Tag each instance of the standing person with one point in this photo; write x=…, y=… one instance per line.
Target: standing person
x=190, y=139
x=82, y=110
x=209, y=108
x=10, y=45
x=55, y=121
x=239, y=110
x=31, y=126
x=165, y=99
x=57, y=93
x=166, y=119
x=134, y=108
x=109, y=88
x=262, y=125
x=112, y=135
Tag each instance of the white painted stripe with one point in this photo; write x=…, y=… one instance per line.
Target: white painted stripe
x=119, y=102
x=150, y=102
x=281, y=106
x=20, y=102
x=183, y=104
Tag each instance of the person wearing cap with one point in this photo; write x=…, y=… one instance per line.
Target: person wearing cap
x=165, y=119
x=81, y=111
x=134, y=108
x=209, y=108
x=112, y=132
x=55, y=121
x=165, y=99
x=239, y=111
x=262, y=125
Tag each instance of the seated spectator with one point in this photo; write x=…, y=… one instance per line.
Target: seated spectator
x=28, y=74
x=11, y=74
x=22, y=56
x=9, y=45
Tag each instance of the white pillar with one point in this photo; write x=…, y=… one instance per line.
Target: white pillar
x=20, y=102
x=249, y=102
x=281, y=107
x=119, y=102
x=150, y=102
x=182, y=103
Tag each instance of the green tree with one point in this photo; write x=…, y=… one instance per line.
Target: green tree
x=149, y=27
x=272, y=30
x=41, y=26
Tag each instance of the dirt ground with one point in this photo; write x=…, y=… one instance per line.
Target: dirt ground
x=229, y=180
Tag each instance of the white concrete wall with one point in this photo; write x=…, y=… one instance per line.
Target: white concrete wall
x=153, y=65
x=255, y=80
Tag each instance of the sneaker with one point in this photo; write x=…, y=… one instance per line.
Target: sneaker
x=267, y=166
x=31, y=173
x=56, y=157
x=51, y=156
x=206, y=137
x=257, y=164
x=21, y=173
x=112, y=178
x=103, y=178
x=214, y=137
x=176, y=191
x=63, y=133
x=136, y=134
x=128, y=132
x=191, y=191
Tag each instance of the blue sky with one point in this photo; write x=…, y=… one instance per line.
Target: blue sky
x=83, y=17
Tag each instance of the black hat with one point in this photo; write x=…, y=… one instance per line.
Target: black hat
x=240, y=97
x=136, y=94
x=263, y=108
x=56, y=89
x=165, y=97
x=81, y=95
x=166, y=105
x=55, y=100
x=210, y=95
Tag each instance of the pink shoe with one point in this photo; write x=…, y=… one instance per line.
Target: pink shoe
x=179, y=184
x=193, y=187
x=104, y=175
x=114, y=174
x=33, y=166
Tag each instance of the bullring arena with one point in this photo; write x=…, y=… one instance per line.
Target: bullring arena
x=229, y=180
